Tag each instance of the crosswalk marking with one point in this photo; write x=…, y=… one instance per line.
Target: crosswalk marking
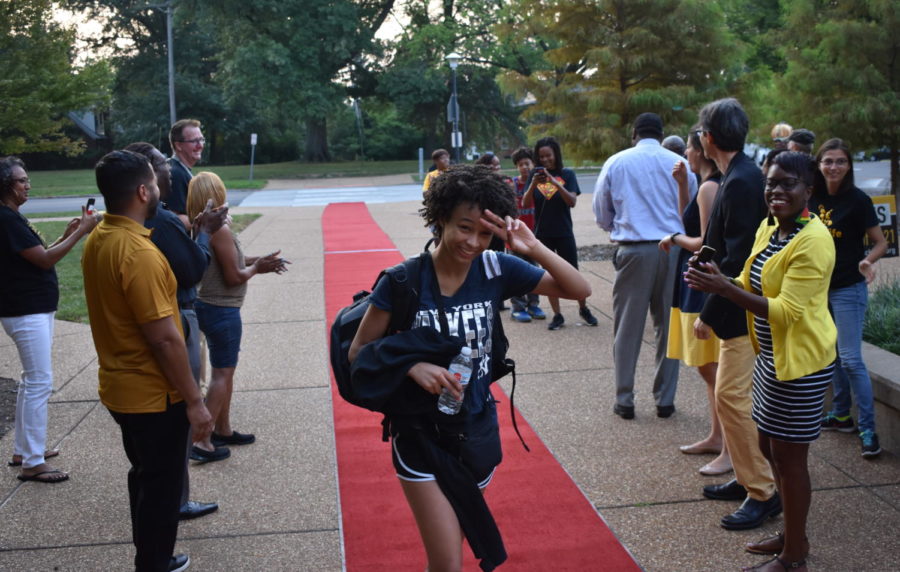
x=316, y=197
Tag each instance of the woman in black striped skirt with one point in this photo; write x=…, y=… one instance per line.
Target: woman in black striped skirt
x=784, y=288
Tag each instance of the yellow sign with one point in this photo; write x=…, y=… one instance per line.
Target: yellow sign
x=886, y=213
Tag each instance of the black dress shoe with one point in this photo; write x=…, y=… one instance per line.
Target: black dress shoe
x=194, y=509
x=623, y=411
x=665, y=411
x=234, y=439
x=204, y=456
x=732, y=490
x=752, y=513
x=179, y=562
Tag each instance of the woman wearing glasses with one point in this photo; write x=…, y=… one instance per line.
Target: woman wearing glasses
x=849, y=214
x=783, y=287
x=29, y=294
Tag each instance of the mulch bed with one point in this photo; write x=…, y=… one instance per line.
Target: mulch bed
x=7, y=404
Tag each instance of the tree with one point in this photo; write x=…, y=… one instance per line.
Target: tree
x=41, y=83
x=611, y=60
x=282, y=59
x=756, y=24
x=843, y=72
x=416, y=79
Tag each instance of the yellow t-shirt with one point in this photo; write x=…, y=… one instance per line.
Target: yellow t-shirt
x=127, y=282
x=429, y=177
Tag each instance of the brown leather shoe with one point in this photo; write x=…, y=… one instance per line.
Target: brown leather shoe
x=768, y=545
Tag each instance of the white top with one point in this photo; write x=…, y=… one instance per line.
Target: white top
x=636, y=197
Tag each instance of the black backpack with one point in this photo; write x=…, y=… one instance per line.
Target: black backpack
x=404, y=279
x=405, y=292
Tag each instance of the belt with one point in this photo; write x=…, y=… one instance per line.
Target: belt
x=634, y=242
x=186, y=305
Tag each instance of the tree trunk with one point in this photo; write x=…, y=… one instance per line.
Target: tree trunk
x=317, y=141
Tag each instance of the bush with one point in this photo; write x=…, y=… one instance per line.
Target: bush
x=882, y=325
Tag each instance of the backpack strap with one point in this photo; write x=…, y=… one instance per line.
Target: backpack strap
x=493, y=270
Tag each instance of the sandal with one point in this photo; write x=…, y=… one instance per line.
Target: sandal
x=787, y=566
x=770, y=545
x=17, y=459
x=51, y=476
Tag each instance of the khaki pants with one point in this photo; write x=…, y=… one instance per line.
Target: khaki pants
x=734, y=385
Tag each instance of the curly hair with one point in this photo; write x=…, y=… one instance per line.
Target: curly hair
x=522, y=153
x=473, y=184
x=6, y=177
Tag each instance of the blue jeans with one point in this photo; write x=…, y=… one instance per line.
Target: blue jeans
x=848, y=307
x=223, y=330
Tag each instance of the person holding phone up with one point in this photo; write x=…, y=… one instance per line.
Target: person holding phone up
x=552, y=192
x=784, y=290
x=29, y=294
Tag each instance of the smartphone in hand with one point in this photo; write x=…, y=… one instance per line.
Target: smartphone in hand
x=89, y=207
x=706, y=254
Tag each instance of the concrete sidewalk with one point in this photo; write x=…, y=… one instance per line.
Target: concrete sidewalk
x=279, y=504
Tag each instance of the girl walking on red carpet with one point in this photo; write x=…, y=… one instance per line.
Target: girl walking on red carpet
x=441, y=459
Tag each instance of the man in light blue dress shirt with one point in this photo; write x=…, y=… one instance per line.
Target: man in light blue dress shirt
x=636, y=200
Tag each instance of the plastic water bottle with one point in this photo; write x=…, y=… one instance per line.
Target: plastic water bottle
x=461, y=369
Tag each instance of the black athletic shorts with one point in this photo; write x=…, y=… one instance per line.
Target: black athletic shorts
x=481, y=452
x=564, y=246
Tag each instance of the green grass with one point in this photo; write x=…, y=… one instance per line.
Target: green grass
x=62, y=214
x=882, y=325
x=298, y=170
x=72, y=306
x=82, y=182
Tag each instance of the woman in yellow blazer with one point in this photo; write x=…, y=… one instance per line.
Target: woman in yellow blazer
x=784, y=288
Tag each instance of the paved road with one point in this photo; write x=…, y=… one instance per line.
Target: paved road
x=872, y=177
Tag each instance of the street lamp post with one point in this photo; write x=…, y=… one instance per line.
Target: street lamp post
x=169, y=10
x=453, y=108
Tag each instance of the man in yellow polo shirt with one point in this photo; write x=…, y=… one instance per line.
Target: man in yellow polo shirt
x=145, y=380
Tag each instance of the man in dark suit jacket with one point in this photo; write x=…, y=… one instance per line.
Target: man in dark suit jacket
x=737, y=212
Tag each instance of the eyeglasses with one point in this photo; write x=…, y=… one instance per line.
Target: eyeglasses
x=197, y=141
x=834, y=162
x=23, y=180
x=786, y=183
x=779, y=139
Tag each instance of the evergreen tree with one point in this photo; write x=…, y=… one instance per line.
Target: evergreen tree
x=614, y=59
x=843, y=73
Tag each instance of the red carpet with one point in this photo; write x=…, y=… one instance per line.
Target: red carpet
x=546, y=522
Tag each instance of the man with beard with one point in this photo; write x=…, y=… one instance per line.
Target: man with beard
x=145, y=380
x=188, y=259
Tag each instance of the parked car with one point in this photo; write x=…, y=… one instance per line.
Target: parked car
x=879, y=154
